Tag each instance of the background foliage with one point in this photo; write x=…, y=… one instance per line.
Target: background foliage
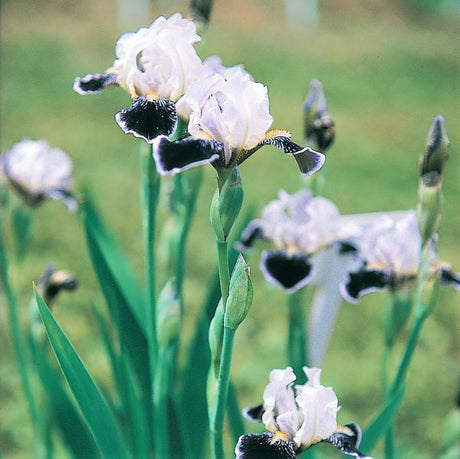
x=386, y=73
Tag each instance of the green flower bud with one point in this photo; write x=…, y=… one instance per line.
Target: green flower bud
x=168, y=315
x=433, y=161
x=431, y=168
x=216, y=332
x=240, y=296
x=226, y=203
x=319, y=127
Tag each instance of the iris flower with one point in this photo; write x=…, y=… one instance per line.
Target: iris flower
x=37, y=171
x=229, y=120
x=297, y=417
x=300, y=226
x=390, y=253
x=154, y=65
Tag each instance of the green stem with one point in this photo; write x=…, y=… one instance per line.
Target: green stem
x=150, y=195
x=224, y=269
x=162, y=386
x=297, y=336
x=408, y=353
x=217, y=443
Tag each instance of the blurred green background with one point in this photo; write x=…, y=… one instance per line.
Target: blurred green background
x=387, y=69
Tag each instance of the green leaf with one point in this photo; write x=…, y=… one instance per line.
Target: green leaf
x=64, y=413
x=122, y=294
x=382, y=421
x=101, y=421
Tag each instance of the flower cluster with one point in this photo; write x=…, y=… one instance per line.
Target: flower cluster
x=297, y=417
x=227, y=112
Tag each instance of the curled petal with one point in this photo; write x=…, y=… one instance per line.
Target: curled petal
x=250, y=235
x=289, y=271
x=347, y=440
x=174, y=157
x=364, y=281
x=267, y=446
x=255, y=413
x=94, y=84
x=308, y=160
x=148, y=119
x=448, y=277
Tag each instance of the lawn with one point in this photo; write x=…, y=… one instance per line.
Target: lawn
x=386, y=73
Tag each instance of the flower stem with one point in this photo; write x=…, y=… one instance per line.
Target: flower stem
x=217, y=443
x=150, y=195
x=297, y=337
x=224, y=269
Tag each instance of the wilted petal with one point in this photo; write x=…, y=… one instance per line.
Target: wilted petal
x=174, y=157
x=264, y=446
x=347, y=440
x=449, y=277
x=94, y=84
x=289, y=271
x=363, y=282
x=148, y=119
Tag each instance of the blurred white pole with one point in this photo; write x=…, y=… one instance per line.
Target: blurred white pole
x=133, y=14
x=302, y=13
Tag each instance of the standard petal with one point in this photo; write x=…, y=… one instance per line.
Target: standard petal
x=449, y=277
x=94, y=84
x=174, y=157
x=347, y=440
x=364, y=281
x=289, y=271
x=264, y=446
x=148, y=119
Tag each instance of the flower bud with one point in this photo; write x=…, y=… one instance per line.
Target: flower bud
x=240, y=296
x=431, y=169
x=433, y=161
x=319, y=127
x=168, y=318
x=216, y=332
x=226, y=205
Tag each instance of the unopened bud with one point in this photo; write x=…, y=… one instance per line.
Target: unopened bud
x=168, y=315
x=226, y=205
x=216, y=333
x=319, y=127
x=240, y=296
x=433, y=161
x=431, y=168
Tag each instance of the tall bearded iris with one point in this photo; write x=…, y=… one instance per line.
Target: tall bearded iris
x=297, y=417
x=37, y=171
x=154, y=65
x=390, y=253
x=300, y=226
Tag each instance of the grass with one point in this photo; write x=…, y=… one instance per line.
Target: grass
x=386, y=74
